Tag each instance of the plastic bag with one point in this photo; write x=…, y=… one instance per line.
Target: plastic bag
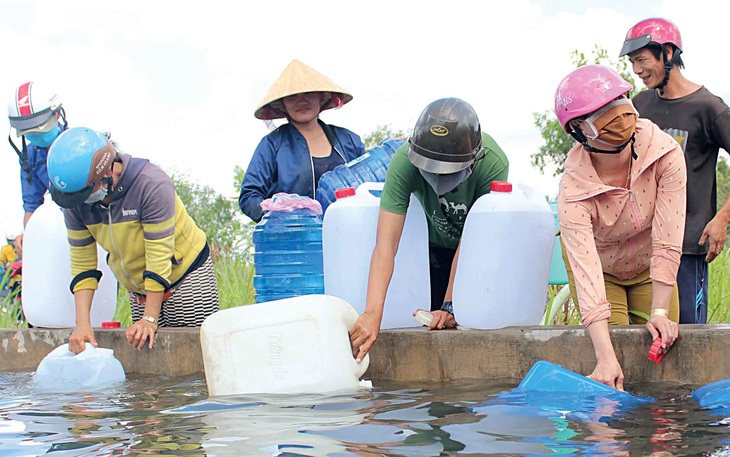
x=290, y=202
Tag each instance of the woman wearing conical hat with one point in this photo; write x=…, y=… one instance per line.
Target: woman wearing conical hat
x=293, y=157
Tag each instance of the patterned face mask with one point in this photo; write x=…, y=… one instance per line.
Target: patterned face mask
x=442, y=184
x=611, y=123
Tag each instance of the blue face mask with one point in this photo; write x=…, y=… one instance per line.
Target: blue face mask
x=43, y=139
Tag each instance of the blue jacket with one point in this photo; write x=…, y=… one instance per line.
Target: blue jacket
x=281, y=163
x=34, y=189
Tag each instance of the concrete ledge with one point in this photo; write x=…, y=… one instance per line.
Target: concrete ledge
x=698, y=357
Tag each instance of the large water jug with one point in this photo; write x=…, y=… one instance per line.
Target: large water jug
x=348, y=239
x=63, y=370
x=504, y=260
x=369, y=167
x=297, y=345
x=549, y=387
x=714, y=396
x=47, y=300
x=288, y=255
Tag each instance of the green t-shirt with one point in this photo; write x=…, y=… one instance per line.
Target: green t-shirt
x=445, y=214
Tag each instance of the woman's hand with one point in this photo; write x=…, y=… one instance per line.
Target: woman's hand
x=363, y=335
x=79, y=337
x=660, y=326
x=139, y=332
x=609, y=372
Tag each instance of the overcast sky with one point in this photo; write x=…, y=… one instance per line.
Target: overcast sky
x=178, y=81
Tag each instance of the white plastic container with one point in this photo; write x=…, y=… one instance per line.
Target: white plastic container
x=47, y=300
x=95, y=367
x=348, y=238
x=504, y=261
x=296, y=345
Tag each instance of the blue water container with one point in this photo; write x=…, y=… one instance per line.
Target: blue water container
x=548, y=377
x=369, y=167
x=714, y=396
x=288, y=255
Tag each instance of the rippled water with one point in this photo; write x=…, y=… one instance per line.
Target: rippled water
x=173, y=416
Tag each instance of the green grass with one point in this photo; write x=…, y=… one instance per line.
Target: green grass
x=718, y=311
x=234, y=274
x=235, y=287
x=718, y=299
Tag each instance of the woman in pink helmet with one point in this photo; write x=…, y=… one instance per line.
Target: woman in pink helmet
x=621, y=209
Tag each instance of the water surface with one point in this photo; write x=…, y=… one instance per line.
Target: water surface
x=151, y=415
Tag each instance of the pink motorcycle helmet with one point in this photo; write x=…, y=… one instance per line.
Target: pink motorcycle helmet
x=585, y=90
x=657, y=30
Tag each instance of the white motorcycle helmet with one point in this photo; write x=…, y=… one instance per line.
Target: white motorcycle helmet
x=32, y=107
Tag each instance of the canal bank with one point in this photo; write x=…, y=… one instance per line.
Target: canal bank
x=698, y=357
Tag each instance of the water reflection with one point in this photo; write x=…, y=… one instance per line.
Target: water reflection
x=168, y=416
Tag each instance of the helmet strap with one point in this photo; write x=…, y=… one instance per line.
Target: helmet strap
x=668, y=65
x=23, y=157
x=581, y=138
x=62, y=112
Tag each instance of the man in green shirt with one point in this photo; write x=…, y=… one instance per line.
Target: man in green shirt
x=448, y=164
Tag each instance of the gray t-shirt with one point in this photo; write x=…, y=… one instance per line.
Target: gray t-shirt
x=700, y=122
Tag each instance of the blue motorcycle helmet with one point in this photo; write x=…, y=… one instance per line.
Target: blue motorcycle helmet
x=78, y=163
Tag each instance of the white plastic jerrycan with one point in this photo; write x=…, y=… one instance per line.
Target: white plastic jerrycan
x=295, y=345
x=95, y=367
x=504, y=261
x=348, y=238
x=47, y=300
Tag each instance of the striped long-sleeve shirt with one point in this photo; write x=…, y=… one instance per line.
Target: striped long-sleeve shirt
x=151, y=240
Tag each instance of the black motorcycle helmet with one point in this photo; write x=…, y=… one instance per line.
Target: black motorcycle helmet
x=447, y=137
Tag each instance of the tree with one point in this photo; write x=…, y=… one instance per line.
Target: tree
x=381, y=133
x=215, y=214
x=557, y=143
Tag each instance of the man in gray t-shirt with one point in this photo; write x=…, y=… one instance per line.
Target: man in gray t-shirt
x=700, y=122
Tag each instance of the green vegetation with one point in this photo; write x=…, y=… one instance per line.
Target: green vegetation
x=381, y=133
x=230, y=235
x=557, y=143
x=719, y=295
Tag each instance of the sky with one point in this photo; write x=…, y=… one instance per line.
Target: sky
x=177, y=82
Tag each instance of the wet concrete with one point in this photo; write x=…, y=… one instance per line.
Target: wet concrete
x=698, y=357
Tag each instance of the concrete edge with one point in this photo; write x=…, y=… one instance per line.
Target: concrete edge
x=698, y=357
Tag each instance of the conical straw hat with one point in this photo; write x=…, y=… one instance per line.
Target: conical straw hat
x=298, y=78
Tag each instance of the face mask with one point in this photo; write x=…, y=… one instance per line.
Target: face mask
x=100, y=194
x=442, y=184
x=619, y=130
x=597, y=124
x=43, y=139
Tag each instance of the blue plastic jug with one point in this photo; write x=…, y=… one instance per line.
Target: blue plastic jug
x=369, y=167
x=288, y=255
x=548, y=377
x=714, y=396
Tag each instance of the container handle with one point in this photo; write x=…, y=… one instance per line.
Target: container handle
x=350, y=317
x=366, y=187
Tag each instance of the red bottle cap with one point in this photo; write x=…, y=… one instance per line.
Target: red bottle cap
x=114, y=324
x=656, y=353
x=500, y=186
x=344, y=192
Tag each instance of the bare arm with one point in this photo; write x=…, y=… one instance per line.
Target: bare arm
x=83, y=331
x=365, y=331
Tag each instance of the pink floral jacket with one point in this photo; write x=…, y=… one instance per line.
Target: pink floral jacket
x=620, y=231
